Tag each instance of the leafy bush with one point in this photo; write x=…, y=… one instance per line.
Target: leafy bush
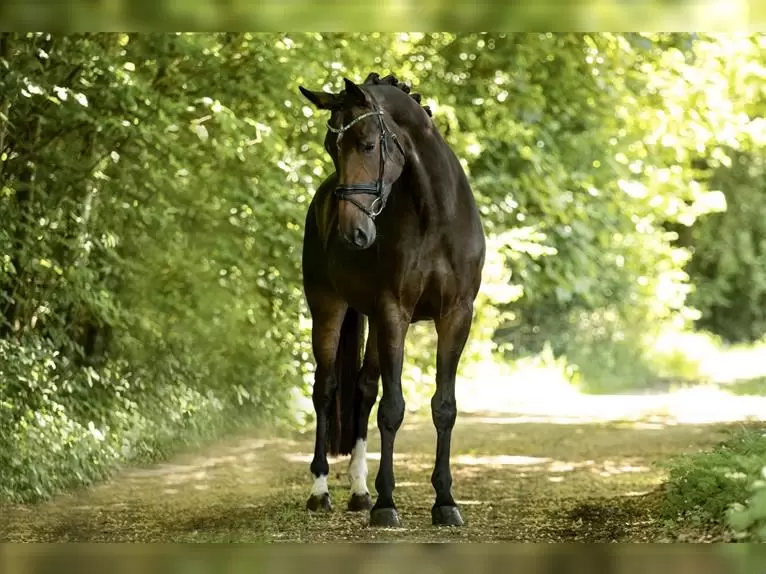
x=749, y=520
x=82, y=425
x=729, y=250
x=703, y=487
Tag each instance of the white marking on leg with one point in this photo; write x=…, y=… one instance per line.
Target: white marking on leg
x=357, y=468
x=320, y=486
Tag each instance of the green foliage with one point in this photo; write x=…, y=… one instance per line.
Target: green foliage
x=609, y=180
x=548, y=141
x=728, y=245
x=674, y=363
x=205, y=15
x=709, y=488
x=152, y=245
x=729, y=251
x=753, y=387
x=748, y=520
x=64, y=427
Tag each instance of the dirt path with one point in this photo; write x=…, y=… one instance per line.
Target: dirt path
x=518, y=477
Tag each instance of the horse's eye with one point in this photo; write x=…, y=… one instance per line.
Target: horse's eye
x=368, y=147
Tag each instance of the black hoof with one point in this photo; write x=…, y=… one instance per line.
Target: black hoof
x=446, y=516
x=359, y=502
x=384, y=518
x=319, y=502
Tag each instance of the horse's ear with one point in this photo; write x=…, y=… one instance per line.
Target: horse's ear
x=322, y=100
x=355, y=95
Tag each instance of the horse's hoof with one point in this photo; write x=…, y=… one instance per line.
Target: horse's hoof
x=317, y=502
x=446, y=516
x=384, y=518
x=359, y=502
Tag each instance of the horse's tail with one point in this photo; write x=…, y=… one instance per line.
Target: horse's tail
x=344, y=412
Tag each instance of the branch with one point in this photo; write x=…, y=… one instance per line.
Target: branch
x=69, y=80
x=88, y=171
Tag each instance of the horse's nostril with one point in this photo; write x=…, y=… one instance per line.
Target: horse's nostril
x=359, y=237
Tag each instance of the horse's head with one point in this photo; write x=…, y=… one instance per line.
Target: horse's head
x=366, y=146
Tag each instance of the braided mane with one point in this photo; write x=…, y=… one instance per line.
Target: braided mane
x=391, y=80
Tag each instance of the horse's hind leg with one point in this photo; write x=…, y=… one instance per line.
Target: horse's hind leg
x=368, y=394
x=452, y=332
x=327, y=318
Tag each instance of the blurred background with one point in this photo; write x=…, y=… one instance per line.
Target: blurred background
x=153, y=190
x=389, y=15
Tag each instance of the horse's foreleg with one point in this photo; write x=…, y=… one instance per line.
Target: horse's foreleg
x=452, y=331
x=392, y=329
x=368, y=385
x=327, y=317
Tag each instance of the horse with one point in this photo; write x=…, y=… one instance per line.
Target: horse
x=392, y=236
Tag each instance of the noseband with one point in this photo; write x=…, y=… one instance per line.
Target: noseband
x=347, y=191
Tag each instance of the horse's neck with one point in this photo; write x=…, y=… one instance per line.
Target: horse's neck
x=434, y=192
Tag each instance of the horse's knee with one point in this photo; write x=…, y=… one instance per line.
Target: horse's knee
x=443, y=411
x=391, y=412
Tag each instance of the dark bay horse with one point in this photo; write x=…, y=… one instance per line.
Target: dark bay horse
x=393, y=234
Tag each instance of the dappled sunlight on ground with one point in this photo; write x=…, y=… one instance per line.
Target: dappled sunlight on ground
x=306, y=457
x=499, y=460
x=514, y=482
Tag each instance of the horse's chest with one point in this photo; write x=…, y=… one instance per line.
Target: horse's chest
x=362, y=278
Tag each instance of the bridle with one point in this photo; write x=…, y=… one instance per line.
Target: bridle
x=347, y=191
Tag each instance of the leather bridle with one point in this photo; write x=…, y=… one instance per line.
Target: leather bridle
x=349, y=190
